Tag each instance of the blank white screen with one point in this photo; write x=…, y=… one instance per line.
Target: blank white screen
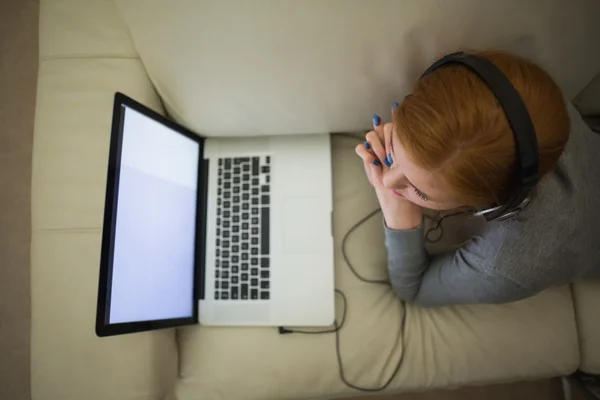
x=154, y=244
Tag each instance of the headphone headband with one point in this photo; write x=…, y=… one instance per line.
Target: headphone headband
x=518, y=118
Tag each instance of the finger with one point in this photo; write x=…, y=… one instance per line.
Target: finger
x=388, y=131
x=377, y=146
x=387, y=138
x=369, y=149
x=374, y=173
x=378, y=125
x=373, y=167
x=367, y=156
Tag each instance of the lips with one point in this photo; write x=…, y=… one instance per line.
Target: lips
x=398, y=194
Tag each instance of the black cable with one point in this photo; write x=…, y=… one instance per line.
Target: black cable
x=392, y=376
x=345, y=255
x=337, y=328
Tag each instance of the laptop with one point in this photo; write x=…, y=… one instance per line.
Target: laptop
x=232, y=231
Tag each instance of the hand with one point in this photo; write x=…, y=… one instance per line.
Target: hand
x=399, y=213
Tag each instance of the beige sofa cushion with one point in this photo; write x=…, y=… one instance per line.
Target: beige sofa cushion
x=75, y=29
x=273, y=67
x=586, y=294
x=587, y=306
x=443, y=347
x=68, y=361
x=86, y=55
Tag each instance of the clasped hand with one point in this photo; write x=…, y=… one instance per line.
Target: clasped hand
x=398, y=212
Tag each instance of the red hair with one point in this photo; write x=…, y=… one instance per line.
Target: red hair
x=453, y=126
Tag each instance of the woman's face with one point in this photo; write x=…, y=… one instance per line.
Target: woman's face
x=414, y=184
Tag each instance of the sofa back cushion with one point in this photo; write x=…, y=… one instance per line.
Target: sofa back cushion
x=276, y=67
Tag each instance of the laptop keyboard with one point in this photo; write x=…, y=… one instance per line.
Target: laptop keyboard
x=242, y=241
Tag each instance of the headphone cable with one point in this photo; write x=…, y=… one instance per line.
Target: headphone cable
x=337, y=327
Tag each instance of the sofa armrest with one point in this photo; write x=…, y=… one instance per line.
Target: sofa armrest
x=86, y=55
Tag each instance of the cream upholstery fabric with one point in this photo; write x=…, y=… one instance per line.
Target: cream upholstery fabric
x=587, y=306
x=74, y=113
x=68, y=361
x=73, y=29
x=218, y=80
x=441, y=347
x=234, y=67
x=86, y=55
x=587, y=293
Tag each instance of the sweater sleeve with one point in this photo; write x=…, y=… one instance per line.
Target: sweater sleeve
x=464, y=276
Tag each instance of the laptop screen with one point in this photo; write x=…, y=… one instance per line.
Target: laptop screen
x=152, y=274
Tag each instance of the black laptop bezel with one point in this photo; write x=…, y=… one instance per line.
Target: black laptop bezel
x=103, y=327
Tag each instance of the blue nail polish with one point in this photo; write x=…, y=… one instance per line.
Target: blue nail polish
x=394, y=106
x=376, y=120
x=367, y=146
x=386, y=162
x=377, y=163
x=389, y=159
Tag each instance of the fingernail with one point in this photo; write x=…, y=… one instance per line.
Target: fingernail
x=394, y=106
x=367, y=146
x=377, y=163
x=386, y=162
x=389, y=159
x=376, y=120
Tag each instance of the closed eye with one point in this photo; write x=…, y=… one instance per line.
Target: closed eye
x=420, y=194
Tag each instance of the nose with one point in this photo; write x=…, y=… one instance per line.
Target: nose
x=394, y=179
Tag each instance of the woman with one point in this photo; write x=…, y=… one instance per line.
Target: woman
x=450, y=147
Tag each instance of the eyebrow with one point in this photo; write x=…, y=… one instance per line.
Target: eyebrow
x=409, y=182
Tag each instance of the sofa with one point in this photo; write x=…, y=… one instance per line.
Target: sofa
x=236, y=68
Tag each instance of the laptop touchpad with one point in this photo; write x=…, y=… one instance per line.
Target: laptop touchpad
x=303, y=225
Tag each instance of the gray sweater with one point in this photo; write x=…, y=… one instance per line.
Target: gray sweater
x=553, y=241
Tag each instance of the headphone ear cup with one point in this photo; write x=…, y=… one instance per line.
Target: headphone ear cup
x=512, y=207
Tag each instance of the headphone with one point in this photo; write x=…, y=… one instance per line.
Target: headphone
x=520, y=123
